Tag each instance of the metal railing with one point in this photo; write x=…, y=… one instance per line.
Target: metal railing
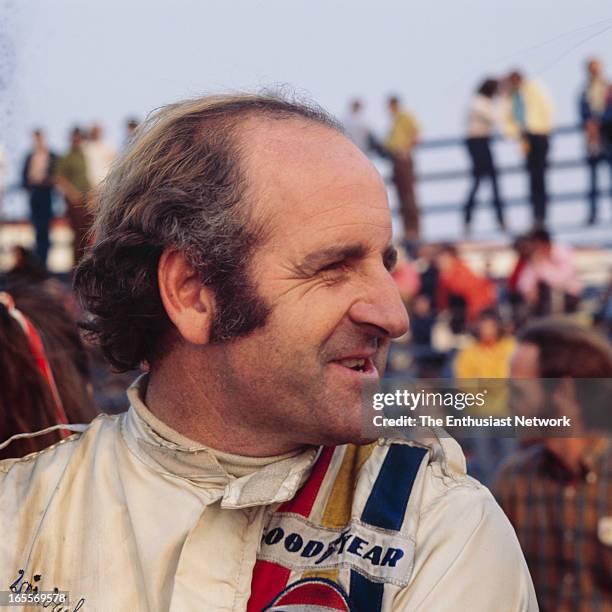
x=563, y=197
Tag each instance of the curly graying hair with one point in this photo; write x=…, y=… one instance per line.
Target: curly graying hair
x=180, y=185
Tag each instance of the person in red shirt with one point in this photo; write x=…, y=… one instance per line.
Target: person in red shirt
x=461, y=290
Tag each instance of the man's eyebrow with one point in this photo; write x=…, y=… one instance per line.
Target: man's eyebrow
x=314, y=260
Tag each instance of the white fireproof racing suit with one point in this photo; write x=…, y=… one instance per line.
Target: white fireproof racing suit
x=123, y=518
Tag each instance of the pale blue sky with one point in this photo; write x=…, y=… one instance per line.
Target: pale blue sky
x=75, y=61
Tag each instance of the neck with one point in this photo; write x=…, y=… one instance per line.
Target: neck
x=197, y=403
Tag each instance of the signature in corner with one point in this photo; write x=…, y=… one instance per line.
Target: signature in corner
x=19, y=585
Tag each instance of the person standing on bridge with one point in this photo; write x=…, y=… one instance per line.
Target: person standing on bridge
x=403, y=137
x=481, y=120
x=71, y=178
x=528, y=116
x=37, y=179
x=592, y=106
x=356, y=126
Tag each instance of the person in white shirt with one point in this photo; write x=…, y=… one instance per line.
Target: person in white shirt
x=481, y=119
x=529, y=116
x=356, y=127
x=243, y=253
x=99, y=155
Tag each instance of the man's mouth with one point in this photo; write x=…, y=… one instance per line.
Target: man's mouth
x=360, y=365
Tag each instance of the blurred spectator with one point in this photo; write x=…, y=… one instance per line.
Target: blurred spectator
x=356, y=128
x=26, y=269
x=489, y=355
x=404, y=135
x=428, y=360
x=98, y=154
x=44, y=374
x=71, y=178
x=606, y=128
x=549, y=281
x=131, y=125
x=426, y=266
x=592, y=106
x=486, y=358
x=461, y=291
x=481, y=120
x=603, y=314
x=558, y=492
x=422, y=321
x=37, y=179
x=406, y=277
x=522, y=246
x=528, y=116
x=3, y=172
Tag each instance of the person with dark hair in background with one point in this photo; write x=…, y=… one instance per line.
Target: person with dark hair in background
x=402, y=138
x=44, y=373
x=592, y=104
x=529, y=116
x=37, y=179
x=243, y=252
x=557, y=492
x=72, y=179
x=481, y=120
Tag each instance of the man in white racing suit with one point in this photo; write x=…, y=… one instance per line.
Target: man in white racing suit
x=243, y=252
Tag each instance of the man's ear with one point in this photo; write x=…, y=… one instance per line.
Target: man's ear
x=189, y=304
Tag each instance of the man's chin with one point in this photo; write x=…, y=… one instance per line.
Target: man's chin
x=347, y=429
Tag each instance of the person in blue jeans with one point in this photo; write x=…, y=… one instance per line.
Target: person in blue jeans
x=481, y=120
x=37, y=180
x=592, y=109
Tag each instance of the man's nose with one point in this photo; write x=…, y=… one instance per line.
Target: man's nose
x=379, y=308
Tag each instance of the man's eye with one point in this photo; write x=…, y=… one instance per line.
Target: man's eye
x=390, y=260
x=335, y=265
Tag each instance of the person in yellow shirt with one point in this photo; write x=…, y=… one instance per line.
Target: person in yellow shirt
x=402, y=138
x=487, y=357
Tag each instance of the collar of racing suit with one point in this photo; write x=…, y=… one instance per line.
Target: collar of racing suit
x=237, y=481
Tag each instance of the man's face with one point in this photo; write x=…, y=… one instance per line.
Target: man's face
x=324, y=272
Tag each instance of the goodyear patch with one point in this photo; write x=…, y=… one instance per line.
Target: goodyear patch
x=296, y=543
